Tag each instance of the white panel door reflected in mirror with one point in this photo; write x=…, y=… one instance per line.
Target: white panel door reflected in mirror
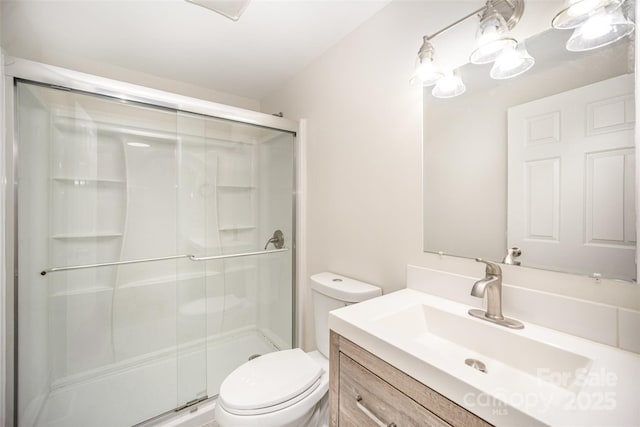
x=571, y=189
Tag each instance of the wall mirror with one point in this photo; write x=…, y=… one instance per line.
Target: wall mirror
x=544, y=162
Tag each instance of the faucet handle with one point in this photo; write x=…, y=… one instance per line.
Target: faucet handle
x=492, y=268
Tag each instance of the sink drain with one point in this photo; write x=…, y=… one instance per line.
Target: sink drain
x=476, y=364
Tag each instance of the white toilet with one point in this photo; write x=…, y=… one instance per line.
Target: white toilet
x=290, y=387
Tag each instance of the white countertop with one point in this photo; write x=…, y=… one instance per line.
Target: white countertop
x=603, y=391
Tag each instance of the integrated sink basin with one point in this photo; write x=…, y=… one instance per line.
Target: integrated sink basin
x=534, y=376
x=464, y=337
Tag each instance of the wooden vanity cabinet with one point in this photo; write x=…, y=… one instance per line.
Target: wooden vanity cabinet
x=364, y=390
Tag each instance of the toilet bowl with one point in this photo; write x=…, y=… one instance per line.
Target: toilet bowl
x=285, y=388
x=290, y=387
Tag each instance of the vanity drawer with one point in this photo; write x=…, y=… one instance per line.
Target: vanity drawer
x=385, y=393
x=367, y=400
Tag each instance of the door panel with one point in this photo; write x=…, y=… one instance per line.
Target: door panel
x=571, y=192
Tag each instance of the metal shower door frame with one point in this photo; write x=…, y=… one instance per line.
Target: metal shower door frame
x=17, y=69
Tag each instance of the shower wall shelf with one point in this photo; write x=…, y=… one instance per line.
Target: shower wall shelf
x=92, y=290
x=236, y=187
x=238, y=269
x=88, y=200
x=90, y=180
x=104, y=235
x=182, y=277
x=171, y=279
x=68, y=123
x=236, y=227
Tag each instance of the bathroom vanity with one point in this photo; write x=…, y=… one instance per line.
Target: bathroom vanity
x=366, y=390
x=413, y=358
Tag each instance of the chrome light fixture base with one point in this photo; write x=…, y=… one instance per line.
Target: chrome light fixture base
x=498, y=18
x=511, y=11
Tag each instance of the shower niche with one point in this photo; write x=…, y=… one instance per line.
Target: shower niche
x=140, y=189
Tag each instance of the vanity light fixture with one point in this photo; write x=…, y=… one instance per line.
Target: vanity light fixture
x=597, y=23
x=497, y=18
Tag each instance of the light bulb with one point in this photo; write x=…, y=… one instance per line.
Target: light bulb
x=449, y=86
x=509, y=58
x=490, y=33
x=577, y=12
x=596, y=26
x=600, y=30
x=581, y=7
x=512, y=62
x=426, y=70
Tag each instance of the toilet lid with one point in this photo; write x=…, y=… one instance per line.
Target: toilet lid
x=269, y=381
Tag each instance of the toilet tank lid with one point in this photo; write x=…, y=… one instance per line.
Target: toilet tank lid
x=343, y=288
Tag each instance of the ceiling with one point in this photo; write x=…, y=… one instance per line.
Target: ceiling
x=174, y=39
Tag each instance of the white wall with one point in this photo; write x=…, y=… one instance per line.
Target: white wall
x=364, y=152
x=136, y=77
x=364, y=149
x=144, y=79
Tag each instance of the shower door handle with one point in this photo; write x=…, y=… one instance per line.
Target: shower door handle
x=110, y=264
x=136, y=261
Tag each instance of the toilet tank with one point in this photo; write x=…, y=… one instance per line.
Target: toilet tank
x=331, y=291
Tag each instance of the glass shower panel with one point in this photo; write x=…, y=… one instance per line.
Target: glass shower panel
x=102, y=181
x=196, y=198
x=277, y=203
x=245, y=191
x=96, y=184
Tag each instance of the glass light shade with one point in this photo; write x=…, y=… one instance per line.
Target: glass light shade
x=490, y=39
x=512, y=62
x=600, y=30
x=427, y=72
x=449, y=86
x=577, y=12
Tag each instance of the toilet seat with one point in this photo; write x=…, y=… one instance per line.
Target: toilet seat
x=270, y=383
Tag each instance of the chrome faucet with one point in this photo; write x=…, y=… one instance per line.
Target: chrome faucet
x=491, y=285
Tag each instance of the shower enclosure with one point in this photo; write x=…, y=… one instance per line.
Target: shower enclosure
x=149, y=258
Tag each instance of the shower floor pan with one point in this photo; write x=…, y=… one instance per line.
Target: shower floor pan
x=137, y=393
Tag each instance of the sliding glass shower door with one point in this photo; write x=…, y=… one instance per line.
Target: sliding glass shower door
x=146, y=265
